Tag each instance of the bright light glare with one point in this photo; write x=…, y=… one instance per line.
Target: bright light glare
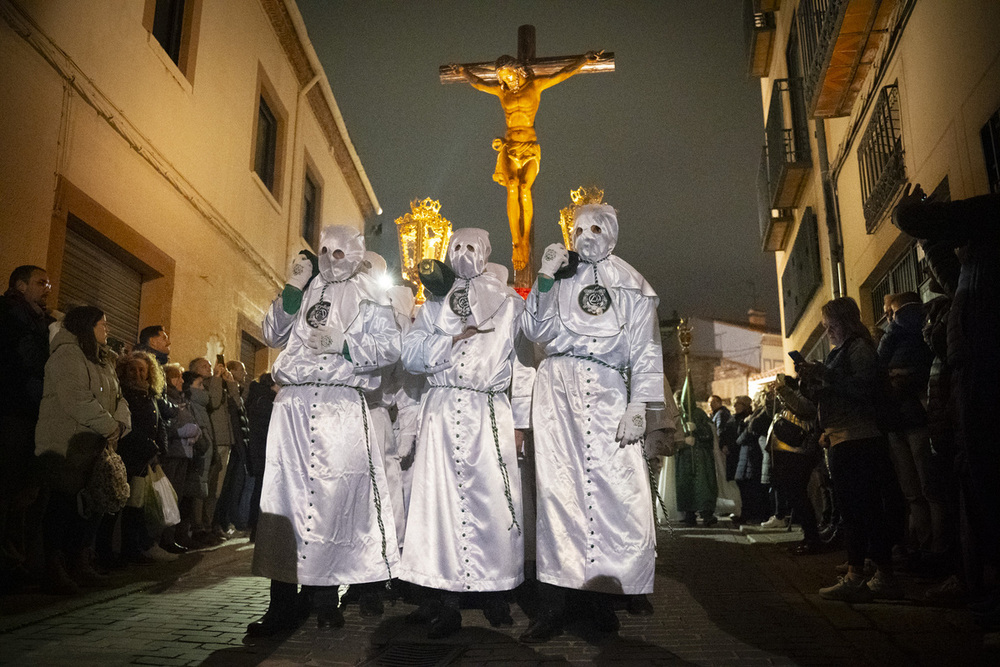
x=385, y=281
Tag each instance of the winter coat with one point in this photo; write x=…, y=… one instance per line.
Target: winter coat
x=24, y=349
x=940, y=421
x=196, y=485
x=223, y=395
x=260, y=402
x=81, y=407
x=183, y=431
x=903, y=352
x=974, y=318
x=139, y=448
x=725, y=425
x=754, y=427
x=849, y=399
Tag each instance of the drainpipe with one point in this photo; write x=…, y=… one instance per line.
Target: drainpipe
x=292, y=230
x=832, y=207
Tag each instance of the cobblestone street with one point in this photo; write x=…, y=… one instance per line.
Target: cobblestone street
x=722, y=597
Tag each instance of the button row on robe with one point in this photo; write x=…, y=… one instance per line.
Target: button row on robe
x=461, y=495
x=312, y=441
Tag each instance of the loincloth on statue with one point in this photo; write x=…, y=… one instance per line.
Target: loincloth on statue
x=517, y=153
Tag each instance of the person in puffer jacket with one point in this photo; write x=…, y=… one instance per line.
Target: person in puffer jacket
x=189, y=533
x=903, y=352
x=182, y=433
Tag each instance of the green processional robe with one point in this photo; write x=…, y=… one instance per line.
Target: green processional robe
x=695, y=468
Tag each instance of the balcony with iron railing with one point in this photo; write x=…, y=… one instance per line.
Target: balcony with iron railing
x=775, y=223
x=880, y=157
x=788, y=155
x=759, y=28
x=840, y=39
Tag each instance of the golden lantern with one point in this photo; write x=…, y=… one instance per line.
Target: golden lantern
x=581, y=197
x=423, y=234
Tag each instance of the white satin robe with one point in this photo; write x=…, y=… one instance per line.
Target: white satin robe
x=460, y=533
x=396, y=391
x=319, y=521
x=595, y=526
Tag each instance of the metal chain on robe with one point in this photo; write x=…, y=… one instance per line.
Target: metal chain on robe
x=496, y=442
x=624, y=373
x=657, y=498
x=621, y=370
x=371, y=465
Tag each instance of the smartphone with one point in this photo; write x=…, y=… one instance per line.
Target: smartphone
x=220, y=359
x=797, y=357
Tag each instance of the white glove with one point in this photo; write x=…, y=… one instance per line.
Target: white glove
x=633, y=424
x=554, y=258
x=326, y=341
x=299, y=271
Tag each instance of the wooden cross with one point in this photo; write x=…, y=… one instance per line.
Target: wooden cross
x=519, y=159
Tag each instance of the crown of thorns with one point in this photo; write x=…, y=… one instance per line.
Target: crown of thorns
x=510, y=62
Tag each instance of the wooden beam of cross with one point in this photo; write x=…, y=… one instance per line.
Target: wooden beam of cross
x=526, y=54
x=519, y=85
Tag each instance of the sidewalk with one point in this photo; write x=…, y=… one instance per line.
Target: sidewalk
x=722, y=598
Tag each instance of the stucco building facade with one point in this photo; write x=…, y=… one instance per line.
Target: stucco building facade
x=164, y=158
x=860, y=98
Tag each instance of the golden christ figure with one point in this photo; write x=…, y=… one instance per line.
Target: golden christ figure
x=519, y=154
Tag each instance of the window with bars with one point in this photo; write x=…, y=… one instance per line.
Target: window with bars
x=880, y=157
x=267, y=144
x=990, y=135
x=906, y=275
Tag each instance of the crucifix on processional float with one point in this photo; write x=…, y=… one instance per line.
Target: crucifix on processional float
x=519, y=84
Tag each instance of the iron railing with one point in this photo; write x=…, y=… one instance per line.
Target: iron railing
x=818, y=25
x=787, y=133
x=880, y=157
x=774, y=223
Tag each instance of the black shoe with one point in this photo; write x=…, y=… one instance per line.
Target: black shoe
x=497, y=612
x=710, y=521
x=445, y=624
x=329, y=618
x=272, y=623
x=542, y=629
x=427, y=611
x=639, y=605
x=605, y=618
x=806, y=549
x=370, y=604
x=173, y=548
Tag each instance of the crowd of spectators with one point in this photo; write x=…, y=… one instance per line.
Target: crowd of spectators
x=182, y=440
x=885, y=445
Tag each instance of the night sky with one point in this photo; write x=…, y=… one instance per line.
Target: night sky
x=673, y=135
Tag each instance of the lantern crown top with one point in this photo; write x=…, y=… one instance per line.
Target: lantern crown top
x=587, y=195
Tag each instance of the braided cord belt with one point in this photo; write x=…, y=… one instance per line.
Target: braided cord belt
x=371, y=464
x=496, y=441
x=621, y=370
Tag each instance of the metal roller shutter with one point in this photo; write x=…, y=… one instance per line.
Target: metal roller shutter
x=93, y=277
